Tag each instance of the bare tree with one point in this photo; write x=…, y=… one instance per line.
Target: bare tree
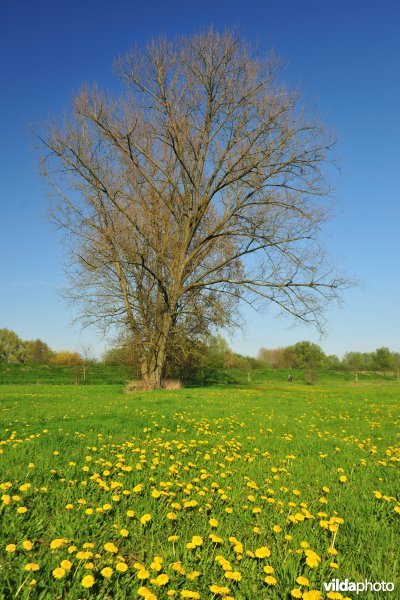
x=198, y=187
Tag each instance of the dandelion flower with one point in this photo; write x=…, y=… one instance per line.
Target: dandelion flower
x=312, y=595
x=268, y=569
x=213, y=522
x=145, y=519
x=88, y=581
x=263, y=552
x=58, y=573
x=32, y=567
x=162, y=579
x=143, y=574
x=235, y=575
x=106, y=572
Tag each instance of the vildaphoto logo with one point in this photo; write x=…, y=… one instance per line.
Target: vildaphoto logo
x=358, y=586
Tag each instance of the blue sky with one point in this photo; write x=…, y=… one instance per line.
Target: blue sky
x=344, y=56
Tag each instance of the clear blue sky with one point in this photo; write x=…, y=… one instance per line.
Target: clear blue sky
x=344, y=56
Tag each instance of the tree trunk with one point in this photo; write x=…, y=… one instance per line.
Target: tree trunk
x=152, y=372
x=154, y=361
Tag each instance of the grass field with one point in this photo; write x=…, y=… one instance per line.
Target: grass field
x=251, y=492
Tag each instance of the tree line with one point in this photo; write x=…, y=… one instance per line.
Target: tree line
x=15, y=350
x=201, y=361
x=311, y=356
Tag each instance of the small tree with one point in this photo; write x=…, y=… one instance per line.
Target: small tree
x=87, y=359
x=200, y=187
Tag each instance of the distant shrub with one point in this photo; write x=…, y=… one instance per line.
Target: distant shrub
x=172, y=384
x=136, y=385
x=133, y=386
x=64, y=357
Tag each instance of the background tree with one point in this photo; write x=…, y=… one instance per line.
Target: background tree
x=333, y=362
x=198, y=187
x=12, y=348
x=358, y=361
x=307, y=355
x=38, y=352
x=277, y=358
x=383, y=359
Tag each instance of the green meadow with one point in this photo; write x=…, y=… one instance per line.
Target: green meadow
x=254, y=491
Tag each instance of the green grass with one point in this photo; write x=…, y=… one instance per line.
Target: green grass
x=96, y=374
x=270, y=446
x=100, y=374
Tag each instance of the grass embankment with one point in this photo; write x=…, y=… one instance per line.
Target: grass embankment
x=99, y=374
x=199, y=493
x=92, y=374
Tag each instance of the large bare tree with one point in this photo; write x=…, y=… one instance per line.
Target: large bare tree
x=199, y=186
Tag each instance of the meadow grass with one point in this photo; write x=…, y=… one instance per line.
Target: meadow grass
x=228, y=492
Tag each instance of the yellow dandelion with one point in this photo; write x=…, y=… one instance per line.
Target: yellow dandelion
x=268, y=569
x=312, y=595
x=59, y=573
x=107, y=572
x=220, y=590
x=162, y=579
x=88, y=581
x=235, y=575
x=145, y=519
x=143, y=574
x=312, y=559
x=32, y=567
x=213, y=522
x=262, y=552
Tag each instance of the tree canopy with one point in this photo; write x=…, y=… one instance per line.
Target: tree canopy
x=198, y=187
